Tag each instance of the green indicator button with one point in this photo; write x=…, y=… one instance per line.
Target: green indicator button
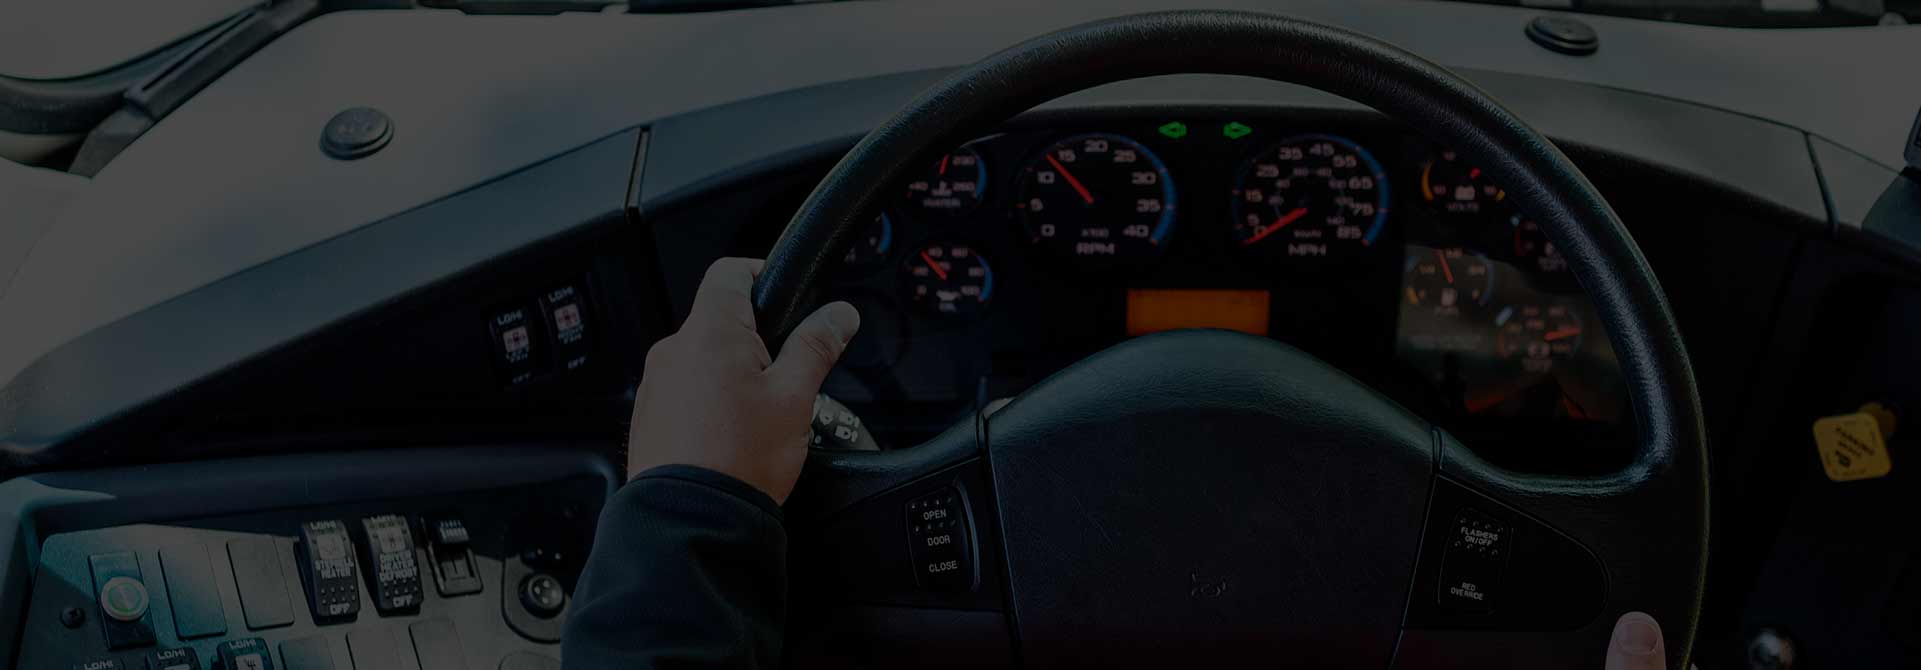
x=1174, y=130
x=1235, y=130
x=124, y=599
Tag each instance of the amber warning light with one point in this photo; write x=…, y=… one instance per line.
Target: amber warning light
x=1155, y=310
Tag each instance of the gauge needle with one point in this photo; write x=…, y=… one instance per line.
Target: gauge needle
x=933, y=265
x=1561, y=334
x=1277, y=225
x=1445, y=270
x=1071, y=181
x=943, y=165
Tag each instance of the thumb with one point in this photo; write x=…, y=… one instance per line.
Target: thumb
x=1636, y=644
x=814, y=347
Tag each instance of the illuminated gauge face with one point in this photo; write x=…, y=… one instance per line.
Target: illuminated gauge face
x=1537, y=336
x=1448, y=283
x=953, y=185
x=1451, y=187
x=1310, y=200
x=1534, y=250
x=1104, y=201
x=949, y=279
x=869, y=251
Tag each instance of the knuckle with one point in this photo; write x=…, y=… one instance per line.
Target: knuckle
x=661, y=352
x=821, y=344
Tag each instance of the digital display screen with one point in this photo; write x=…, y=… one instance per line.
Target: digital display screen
x=1156, y=310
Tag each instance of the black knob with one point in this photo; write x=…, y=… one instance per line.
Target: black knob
x=542, y=594
x=72, y=617
x=356, y=133
x=1564, y=35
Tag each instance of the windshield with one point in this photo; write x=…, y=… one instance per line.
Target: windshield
x=1741, y=13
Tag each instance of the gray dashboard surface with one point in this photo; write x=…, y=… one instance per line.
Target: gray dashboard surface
x=233, y=178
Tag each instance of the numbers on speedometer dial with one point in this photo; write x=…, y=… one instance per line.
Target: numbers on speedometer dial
x=1102, y=200
x=1309, y=199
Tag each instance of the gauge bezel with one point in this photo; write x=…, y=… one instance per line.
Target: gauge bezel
x=1158, y=240
x=1383, y=203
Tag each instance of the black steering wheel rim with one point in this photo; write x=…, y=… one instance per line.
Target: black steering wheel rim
x=1668, y=474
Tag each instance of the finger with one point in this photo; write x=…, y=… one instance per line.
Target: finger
x=814, y=347
x=1636, y=644
x=726, y=295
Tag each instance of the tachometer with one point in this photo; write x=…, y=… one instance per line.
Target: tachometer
x=952, y=185
x=949, y=278
x=1101, y=199
x=1308, y=198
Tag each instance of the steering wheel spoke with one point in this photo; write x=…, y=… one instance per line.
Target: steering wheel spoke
x=895, y=556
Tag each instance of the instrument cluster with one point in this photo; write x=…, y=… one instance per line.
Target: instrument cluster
x=1351, y=238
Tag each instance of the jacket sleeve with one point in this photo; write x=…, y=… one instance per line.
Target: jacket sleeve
x=688, y=570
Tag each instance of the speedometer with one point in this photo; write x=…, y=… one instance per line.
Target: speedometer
x=1309, y=199
x=1100, y=199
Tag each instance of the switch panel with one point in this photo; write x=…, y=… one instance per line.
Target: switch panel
x=393, y=573
x=333, y=591
x=223, y=592
x=123, y=600
x=454, y=571
x=937, y=535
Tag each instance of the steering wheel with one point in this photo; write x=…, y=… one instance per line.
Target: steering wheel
x=1202, y=496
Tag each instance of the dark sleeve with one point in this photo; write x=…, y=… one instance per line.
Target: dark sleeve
x=688, y=570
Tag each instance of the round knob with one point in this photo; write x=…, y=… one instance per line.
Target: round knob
x=542, y=594
x=123, y=599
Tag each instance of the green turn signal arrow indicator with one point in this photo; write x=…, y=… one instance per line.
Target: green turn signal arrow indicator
x=1235, y=130
x=1174, y=130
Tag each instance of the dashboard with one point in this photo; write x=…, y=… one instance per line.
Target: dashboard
x=369, y=317
x=1018, y=253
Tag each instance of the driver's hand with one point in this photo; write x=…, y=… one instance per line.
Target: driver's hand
x=712, y=397
x=1636, y=644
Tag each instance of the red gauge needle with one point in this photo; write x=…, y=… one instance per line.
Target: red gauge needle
x=1445, y=270
x=1071, y=181
x=943, y=165
x=933, y=265
x=1561, y=334
x=1277, y=225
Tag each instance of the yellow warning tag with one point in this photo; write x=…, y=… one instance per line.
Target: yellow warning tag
x=1851, y=447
